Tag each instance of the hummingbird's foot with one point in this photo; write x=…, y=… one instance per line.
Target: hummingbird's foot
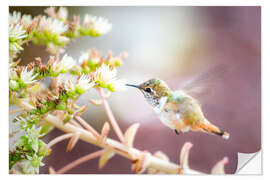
x=176, y=132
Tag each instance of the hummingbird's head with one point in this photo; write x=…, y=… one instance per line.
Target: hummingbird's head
x=153, y=90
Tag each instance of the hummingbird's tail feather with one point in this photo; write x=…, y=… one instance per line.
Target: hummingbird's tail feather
x=214, y=130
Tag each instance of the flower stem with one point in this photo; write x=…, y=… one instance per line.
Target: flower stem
x=87, y=126
x=110, y=115
x=75, y=123
x=80, y=161
x=59, y=139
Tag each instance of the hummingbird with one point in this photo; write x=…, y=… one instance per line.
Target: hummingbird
x=176, y=109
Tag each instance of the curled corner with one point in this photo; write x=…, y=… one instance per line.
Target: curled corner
x=249, y=163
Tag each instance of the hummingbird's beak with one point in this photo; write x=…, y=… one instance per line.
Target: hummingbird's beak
x=131, y=85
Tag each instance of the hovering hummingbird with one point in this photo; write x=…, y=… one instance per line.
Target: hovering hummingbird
x=176, y=109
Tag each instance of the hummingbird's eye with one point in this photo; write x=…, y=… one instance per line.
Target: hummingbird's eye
x=148, y=90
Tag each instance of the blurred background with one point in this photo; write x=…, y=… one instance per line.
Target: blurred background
x=175, y=44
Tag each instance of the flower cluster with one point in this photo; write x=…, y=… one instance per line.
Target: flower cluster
x=29, y=149
x=100, y=72
x=54, y=30
x=83, y=84
x=50, y=31
x=20, y=78
x=20, y=29
x=91, y=60
x=17, y=32
x=27, y=90
x=103, y=70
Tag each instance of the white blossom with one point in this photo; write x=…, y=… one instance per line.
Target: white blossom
x=51, y=25
x=13, y=77
x=26, y=21
x=100, y=25
x=84, y=83
x=33, y=133
x=14, y=18
x=64, y=65
x=68, y=84
x=16, y=32
x=107, y=76
x=27, y=77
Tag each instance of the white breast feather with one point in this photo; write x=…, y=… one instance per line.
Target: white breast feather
x=160, y=105
x=164, y=116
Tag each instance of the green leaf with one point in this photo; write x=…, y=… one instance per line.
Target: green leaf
x=61, y=106
x=14, y=157
x=46, y=128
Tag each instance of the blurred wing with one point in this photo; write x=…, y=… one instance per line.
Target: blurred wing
x=203, y=84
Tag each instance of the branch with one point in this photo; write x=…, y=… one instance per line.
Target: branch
x=87, y=126
x=119, y=148
x=109, y=113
